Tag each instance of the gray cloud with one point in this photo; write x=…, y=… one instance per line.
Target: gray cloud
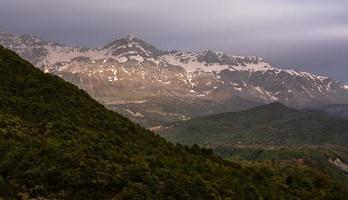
x=309, y=35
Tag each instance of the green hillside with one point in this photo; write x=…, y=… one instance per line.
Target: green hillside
x=331, y=158
x=58, y=143
x=272, y=124
x=339, y=110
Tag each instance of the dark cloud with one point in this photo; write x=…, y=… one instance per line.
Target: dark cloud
x=309, y=35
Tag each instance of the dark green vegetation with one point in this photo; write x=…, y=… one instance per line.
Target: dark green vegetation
x=58, y=143
x=331, y=158
x=271, y=132
x=272, y=124
x=339, y=110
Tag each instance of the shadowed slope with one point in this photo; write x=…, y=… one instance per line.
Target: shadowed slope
x=272, y=124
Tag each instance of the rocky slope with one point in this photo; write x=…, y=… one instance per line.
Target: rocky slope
x=152, y=86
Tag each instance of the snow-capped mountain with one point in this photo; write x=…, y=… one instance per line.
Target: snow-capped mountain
x=153, y=86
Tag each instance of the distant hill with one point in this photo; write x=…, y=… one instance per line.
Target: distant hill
x=272, y=124
x=332, y=158
x=58, y=143
x=271, y=132
x=338, y=110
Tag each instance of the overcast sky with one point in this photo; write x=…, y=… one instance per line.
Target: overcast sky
x=310, y=35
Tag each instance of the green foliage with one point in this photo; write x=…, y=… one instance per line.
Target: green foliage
x=272, y=124
x=58, y=143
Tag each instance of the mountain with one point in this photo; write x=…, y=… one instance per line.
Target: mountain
x=272, y=124
x=270, y=132
x=332, y=158
x=339, y=110
x=153, y=87
x=58, y=143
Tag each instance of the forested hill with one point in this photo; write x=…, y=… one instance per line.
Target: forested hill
x=58, y=143
x=272, y=124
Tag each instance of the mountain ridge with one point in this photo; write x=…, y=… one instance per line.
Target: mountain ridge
x=56, y=142
x=142, y=73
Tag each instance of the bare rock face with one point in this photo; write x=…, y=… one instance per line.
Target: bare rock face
x=153, y=87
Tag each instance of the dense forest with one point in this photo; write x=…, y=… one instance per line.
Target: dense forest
x=271, y=124
x=58, y=143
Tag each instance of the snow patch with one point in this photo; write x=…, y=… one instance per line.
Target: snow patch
x=138, y=58
x=189, y=61
x=238, y=88
x=135, y=114
x=122, y=59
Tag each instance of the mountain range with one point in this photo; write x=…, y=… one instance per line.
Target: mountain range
x=56, y=142
x=153, y=87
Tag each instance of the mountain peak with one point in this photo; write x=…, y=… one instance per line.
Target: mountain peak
x=210, y=56
x=28, y=36
x=130, y=44
x=274, y=108
x=130, y=37
x=276, y=104
x=125, y=41
x=30, y=39
x=4, y=34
